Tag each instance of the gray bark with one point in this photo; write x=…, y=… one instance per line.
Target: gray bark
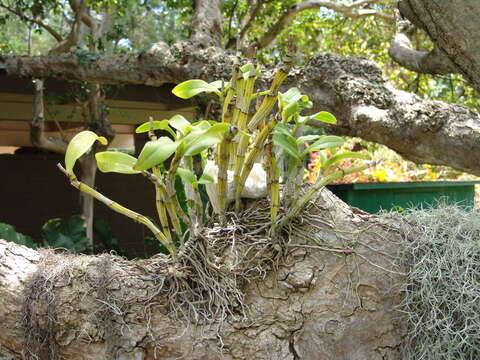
x=353, y=89
x=332, y=301
x=453, y=27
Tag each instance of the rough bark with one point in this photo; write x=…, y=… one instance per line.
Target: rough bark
x=424, y=62
x=453, y=27
x=206, y=28
x=353, y=89
x=333, y=301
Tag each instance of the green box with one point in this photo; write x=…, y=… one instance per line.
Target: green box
x=373, y=197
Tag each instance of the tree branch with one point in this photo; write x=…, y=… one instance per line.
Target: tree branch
x=347, y=10
x=352, y=89
x=206, y=28
x=72, y=39
x=424, y=62
x=78, y=307
x=245, y=24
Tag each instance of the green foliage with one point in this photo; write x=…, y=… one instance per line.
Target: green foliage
x=190, y=88
x=115, y=161
x=7, y=232
x=237, y=137
x=70, y=234
x=155, y=152
x=66, y=233
x=78, y=146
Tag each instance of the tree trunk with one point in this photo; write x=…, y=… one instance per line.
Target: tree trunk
x=453, y=27
x=331, y=293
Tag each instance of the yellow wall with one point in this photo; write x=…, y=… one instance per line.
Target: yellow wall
x=16, y=111
x=19, y=107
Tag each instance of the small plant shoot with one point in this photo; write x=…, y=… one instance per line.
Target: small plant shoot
x=247, y=134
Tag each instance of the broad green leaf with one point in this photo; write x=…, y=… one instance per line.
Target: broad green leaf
x=206, y=179
x=115, y=161
x=187, y=176
x=290, y=110
x=180, y=123
x=292, y=95
x=307, y=138
x=292, y=102
x=190, y=88
x=345, y=155
x=219, y=83
x=282, y=129
x=78, y=146
x=203, y=125
x=155, y=125
x=325, y=142
x=323, y=116
x=155, y=152
x=205, y=139
x=286, y=144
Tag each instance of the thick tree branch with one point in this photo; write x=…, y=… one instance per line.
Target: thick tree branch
x=352, y=11
x=424, y=62
x=352, y=89
x=74, y=36
x=206, y=28
x=315, y=305
x=453, y=27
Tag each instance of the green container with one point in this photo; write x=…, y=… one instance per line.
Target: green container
x=373, y=197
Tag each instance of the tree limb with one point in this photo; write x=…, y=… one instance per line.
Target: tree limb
x=347, y=10
x=352, y=89
x=315, y=305
x=245, y=24
x=453, y=27
x=424, y=62
x=206, y=28
x=73, y=37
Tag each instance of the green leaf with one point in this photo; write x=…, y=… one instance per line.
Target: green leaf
x=205, y=139
x=115, y=161
x=155, y=152
x=345, y=155
x=190, y=88
x=180, y=123
x=206, y=179
x=307, y=138
x=290, y=110
x=79, y=145
x=324, y=116
x=285, y=142
x=293, y=102
x=325, y=142
x=187, y=176
x=155, y=125
x=203, y=125
x=282, y=129
x=292, y=95
x=219, y=83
